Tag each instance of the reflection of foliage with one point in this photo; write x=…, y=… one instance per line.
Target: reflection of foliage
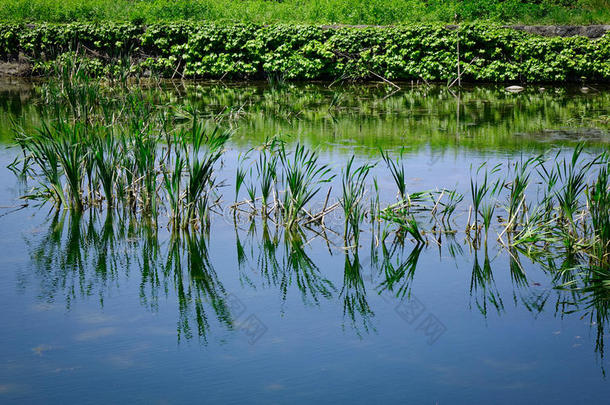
x=268, y=263
x=88, y=254
x=367, y=115
x=354, y=293
x=198, y=285
x=65, y=253
x=582, y=287
x=80, y=260
x=482, y=280
x=398, y=277
x=300, y=269
x=597, y=300
x=589, y=294
x=283, y=262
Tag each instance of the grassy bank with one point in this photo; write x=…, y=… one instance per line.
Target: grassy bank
x=431, y=52
x=310, y=12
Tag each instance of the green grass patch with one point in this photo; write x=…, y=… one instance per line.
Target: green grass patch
x=375, y=12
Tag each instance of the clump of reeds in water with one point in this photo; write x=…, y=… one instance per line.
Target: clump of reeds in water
x=81, y=166
x=101, y=147
x=116, y=148
x=287, y=179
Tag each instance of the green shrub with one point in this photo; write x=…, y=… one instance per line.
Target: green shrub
x=488, y=53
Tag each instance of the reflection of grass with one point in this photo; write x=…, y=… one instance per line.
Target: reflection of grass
x=482, y=280
x=355, y=303
x=488, y=117
x=397, y=278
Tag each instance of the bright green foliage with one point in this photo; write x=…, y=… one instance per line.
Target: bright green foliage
x=488, y=53
x=375, y=12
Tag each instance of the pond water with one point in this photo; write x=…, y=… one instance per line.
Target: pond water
x=100, y=308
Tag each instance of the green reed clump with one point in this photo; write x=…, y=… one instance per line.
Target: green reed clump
x=173, y=170
x=120, y=148
x=266, y=170
x=143, y=150
x=477, y=193
x=240, y=175
x=353, y=181
x=572, y=215
x=397, y=170
x=598, y=201
x=573, y=176
x=202, y=149
x=448, y=207
x=84, y=160
x=302, y=175
x=518, y=185
x=59, y=152
x=42, y=153
x=407, y=223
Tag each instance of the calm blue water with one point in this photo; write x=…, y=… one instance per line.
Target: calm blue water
x=99, y=309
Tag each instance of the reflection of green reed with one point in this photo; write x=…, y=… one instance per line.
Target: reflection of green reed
x=482, y=280
x=300, y=269
x=86, y=254
x=488, y=119
x=281, y=259
x=355, y=303
x=196, y=284
x=397, y=277
x=585, y=292
x=65, y=255
x=90, y=253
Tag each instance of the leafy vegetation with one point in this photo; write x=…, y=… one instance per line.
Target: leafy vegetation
x=422, y=53
x=311, y=11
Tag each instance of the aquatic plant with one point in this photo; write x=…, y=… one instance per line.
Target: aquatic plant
x=266, y=170
x=302, y=176
x=397, y=170
x=202, y=149
x=598, y=201
x=353, y=181
x=152, y=160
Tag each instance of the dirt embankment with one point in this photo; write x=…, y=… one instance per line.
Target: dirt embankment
x=589, y=31
x=21, y=68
